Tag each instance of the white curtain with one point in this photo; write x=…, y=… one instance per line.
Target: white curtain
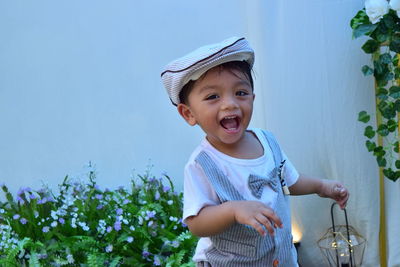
x=309, y=90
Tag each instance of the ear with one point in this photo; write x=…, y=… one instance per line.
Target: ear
x=186, y=113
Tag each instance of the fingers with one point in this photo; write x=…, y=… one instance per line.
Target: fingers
x=269, y=220
x=341, y=195
x=343, y=201
x=257, y=215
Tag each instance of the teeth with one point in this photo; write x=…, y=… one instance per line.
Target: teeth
x=230, y=117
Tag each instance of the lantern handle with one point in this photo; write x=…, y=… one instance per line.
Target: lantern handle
x=348, y=234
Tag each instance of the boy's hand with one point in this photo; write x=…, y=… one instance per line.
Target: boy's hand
x=256, y=214
x=336, y=191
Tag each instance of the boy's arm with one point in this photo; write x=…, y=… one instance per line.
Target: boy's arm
x=324, y=188
x=212, y=220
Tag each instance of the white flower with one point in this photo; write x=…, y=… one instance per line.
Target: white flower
x=395, y=5
x=70, y=259
x=376, y=9
x=109, y=248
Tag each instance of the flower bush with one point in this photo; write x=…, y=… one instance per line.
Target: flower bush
x=85, y=225
x=379, y=21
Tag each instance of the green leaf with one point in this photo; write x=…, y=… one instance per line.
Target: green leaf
x=396, y=147
x=359, y=19
x=379, y=152
x=396, y=73
x=382, y=93
x=395, y=60
x=387, y=109
x=396, y=105
x=395, y=44
x=370, y=145
x=396, y=175
x=379, y=67
x=383, y=130
x=389, y=173
x=391, y=125
x=367, y=70
x=363, y=116
x=369, y=132
x=381, y=161
x=397, y=163
x=370, y=46
x=389, y=21
x=385, y=58
x=394, y=92
x=364, y=29
x=388, y=76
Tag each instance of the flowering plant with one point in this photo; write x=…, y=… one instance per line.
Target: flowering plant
x=379, y=21
x=88, y=226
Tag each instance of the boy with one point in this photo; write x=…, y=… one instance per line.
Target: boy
x=237, y=181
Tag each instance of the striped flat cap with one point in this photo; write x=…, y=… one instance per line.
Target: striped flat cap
x=190, y=67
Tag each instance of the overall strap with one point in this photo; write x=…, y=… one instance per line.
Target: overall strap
x=221, y=184
x=276, y=150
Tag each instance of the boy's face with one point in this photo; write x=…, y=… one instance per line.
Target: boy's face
x=221, y=103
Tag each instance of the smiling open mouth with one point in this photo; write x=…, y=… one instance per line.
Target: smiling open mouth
x=230, y=122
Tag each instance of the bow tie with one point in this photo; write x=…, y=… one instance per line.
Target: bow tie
x=257, y=183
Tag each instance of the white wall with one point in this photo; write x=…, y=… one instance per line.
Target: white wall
x=80, y=81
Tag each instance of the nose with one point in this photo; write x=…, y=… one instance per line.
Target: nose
x=229, y=102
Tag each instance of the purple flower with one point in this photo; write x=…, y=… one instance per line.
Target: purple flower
x=21, y=191
x=42, y=201
x=99, y=196
x=23, y=220
x=119, y=211
x=61, y=220
x=117, y=226
x=156, y=261
x=175, y=244
x=32, y=196
x=109, y=229
x=42, y=256
x=150, y=214
x=99, y=207
x=126, y=201
x=129, y=239
x=157, y=196
x=166, y=188
x=16, y=216
x=145, y=254
x=45, y=229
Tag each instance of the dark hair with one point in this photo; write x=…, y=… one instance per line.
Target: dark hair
x=241, y=66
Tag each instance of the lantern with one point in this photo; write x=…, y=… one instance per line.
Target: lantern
x=341, y=245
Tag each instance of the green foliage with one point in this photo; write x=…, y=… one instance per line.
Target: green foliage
x=383, y=43
x=85, y=225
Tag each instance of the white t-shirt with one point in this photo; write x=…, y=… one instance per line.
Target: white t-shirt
x=198, y=191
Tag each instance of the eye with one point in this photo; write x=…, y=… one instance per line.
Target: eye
x=211, y=97
x=242, y=93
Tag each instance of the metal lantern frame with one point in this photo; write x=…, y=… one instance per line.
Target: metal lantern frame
x=347, y=235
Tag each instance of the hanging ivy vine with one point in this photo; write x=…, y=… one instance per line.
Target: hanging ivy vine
x=383, y=44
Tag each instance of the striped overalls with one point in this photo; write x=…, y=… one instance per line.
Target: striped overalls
x=242, y=245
